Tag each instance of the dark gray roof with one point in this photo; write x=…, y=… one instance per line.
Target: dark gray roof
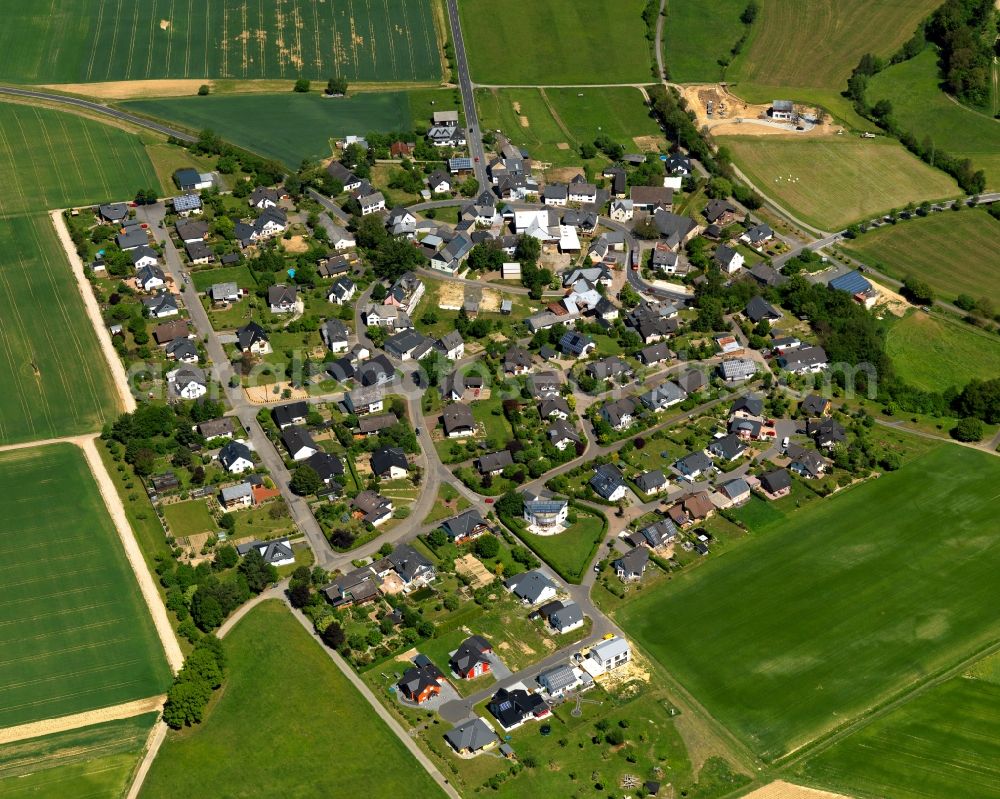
x=384, y=459
x=473, y=735
x=649, y=481
x=495, y=460
x=234, y=450
x=758, y=308
x=530, y=585
x=775, y=481
x=290, y=412
x=250, y=334
x=566, y=616
x=606, y=480
x=633, y=563
x=463, y=524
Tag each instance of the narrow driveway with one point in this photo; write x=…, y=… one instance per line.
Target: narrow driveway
x=474, y=133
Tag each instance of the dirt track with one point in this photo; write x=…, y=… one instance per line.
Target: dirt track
x=780, y=789
x=48, y=726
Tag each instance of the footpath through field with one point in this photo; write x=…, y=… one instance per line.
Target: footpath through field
x=126, y=710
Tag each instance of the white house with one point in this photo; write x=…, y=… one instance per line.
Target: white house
x=235, y=457
x=543, y=514
x=342, y=290
x=144, y=256
x=580, y=192
x=728, y=259
x=188, y=382
x=622, y=210
x=607, y=655
x=371, y=203
x=150, y=277
x=510, y=271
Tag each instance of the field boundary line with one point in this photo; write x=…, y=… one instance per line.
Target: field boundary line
x=156, y=738
x=120, y=379
x=157, y=610
x=126, y=710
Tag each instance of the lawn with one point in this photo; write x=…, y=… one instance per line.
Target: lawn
x=832, y=182
x=552, y=123
x=854, y=599
x=168, y=158
x=100, y=40
x=301, y=750
x=814, y=44
x=570, y=552
x=289, y=126
x=933, y=352
x=90, y=763
x=945, y=742
x=556, y=42
x=77, y=634
x=448, y=503
x=955, y=253
x=240, y=275
x=489, y=413
x=919, y=106
x=188, y=518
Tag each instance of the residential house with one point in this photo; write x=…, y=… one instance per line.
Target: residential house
x=562, y=435
x=299, y=443
x=342, y=291
x=217, y=428
x=458, y=421
x=161, y=305
x=465, y=527
x=472, y=737
x=132, y=238
x=271, y=222
x=236, y=497
x=783, y=110
x=776, y=484
x=728, y=260
x=148, y=278
x=544, y=385
x=264, y=197
x=367, y=399
x=737, y=370
x=678, y=164
x=236, y=457
x=609, y=654
x=116, y=213
x=554, y=408
x=655, y=353
x=252, y=338
x=757, y=235
x=544, y=513
x=446, y=135
x=182, y=350
x=652, y=482
x=282, y=299
x=292, y=413
x=371, y=202
x=401, y=222
x=827, y=433
x=170, y=331
x=622, y=210
x=698, y=506
x=439, y=182
x=693, y=465
x=766, y=276
x=664, y=259
x=372, y=508
x=144, y=256
x=620, y=414
x=632, y=565
x=558, y=680
x=277, y=552
x=556, y=194
x=343, y=175
x=511, y=708
x=188, y=382
x=390, y=463
x=582, y=192
x=675, y=230
x=388, y=316
x=608, y=482
x=815, y=405
x=516, y=361
x=566, y=618
x=357, y=587
x=421, y=681
x=450, y=257
x=735, y=492
x=224, y=293
x=451, y=345
x=759, y=309
x=407, y=345
x=804, y=361
x=727, y=448
x=372, y=425
x=720, y=212
x=648, y=198
x=663, y=396
x=471, y=659
x=532, y=588
x=335, y=335
x=412, y=568
x=692, y=381
x=493, y=463
x=806, y=463
x=609, y=369
x=655, y=535
x=188, y=179
x=749, y=406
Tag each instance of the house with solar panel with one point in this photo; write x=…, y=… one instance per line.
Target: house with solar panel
x=544, y=514
x=855, y=284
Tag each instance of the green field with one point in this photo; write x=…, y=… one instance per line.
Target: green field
x=288, y=126
x=570, y=552
x=287, y=724
x=76, y=632
x=955, y=253
x=560, y=120
x=832, y=182
x=933, y=352
x=945, y=742
x=556, y=42
x=694, y=38
x=50, y=159
x=919, y=106
x=815, y=44
x=240, y=275
x=189, y=518
x=110, y=40
x=853, y=599
x=90, y=763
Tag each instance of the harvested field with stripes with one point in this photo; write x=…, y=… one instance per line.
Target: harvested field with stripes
x=84, y=41
x=75, y=632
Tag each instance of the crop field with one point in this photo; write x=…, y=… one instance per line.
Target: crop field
x=817, y=44
x=695, y=38
x=553, y=123
x=933, y=352
x=53, y=378
x=920, y=107
x=76, y=633
x=832, y=182
x=279, y=758
x=90, y=763
x=955, y=253
x=945, y=742
x=555, y=42
x=80, y=41
x=855, y=598
x=51, y=159
x=288, y=126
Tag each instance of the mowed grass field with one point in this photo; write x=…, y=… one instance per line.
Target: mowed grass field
x=78, y=41
x=933, y=352
x=75, y=632
x=695, y=37
x=513, y=42
x=53, y=378
x=287, y=724
x=920, y=107
x=945, y=742
x=956, y=253
x=553, y=123
x=90, y=763
x=287, y=126
x=852, y=600
x=831, y=182
x=814, y=44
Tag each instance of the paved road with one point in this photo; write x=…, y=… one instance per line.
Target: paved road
x=474, y=133
x=98, y=109
x=222, y=371
x=332, y=208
